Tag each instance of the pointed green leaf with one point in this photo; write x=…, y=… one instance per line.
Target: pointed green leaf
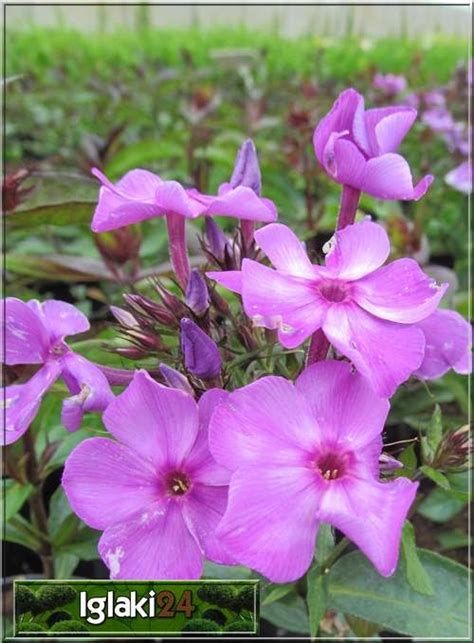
x=416, y=573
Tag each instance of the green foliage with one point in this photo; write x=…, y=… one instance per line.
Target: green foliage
x=31, y=626
x=50, y=596
x=25, y=600
x=201, y=625
x=56, y=617
x=417, y=576
x=215, y=615
x=69, y=626
x=356, y=588
x=240, y=625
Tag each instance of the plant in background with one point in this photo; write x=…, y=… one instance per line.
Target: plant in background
x=251, y=432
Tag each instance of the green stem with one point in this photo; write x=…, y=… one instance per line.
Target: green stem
x=335, y=552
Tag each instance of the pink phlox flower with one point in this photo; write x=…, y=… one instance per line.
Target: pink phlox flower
x=34, y=334
x=448, y=339
x=155, y=491
x=302, y=455
x=460, y=178
x=366, y=310
x=141, y=195
x=357, y=148
x=390, y=84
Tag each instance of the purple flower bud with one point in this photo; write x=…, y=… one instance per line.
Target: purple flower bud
x=388, y=463
x=175, y=379
x=150, y=310
x=216, y=239
x=201, y=355
x=246, y=169
x=123, y=317
x=197, y=294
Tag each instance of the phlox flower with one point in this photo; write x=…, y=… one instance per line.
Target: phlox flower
x=448, y=338
x=366, y=310
x=141, y=195
x=357, y=148
x=155, y=491
x=301, y=455
x=34, y=334
x=460, y=178
x=390, y=84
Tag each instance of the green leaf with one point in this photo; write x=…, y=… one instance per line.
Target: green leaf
x=60, y=214
x=316, y=598
x=20, y=531
x=62, y=523
x=289, y=613
x=16, y=495
x=453, y=539
x=324, y=542
x=438, y=477
x=275, y=592
x=355, y=587
x=416, y=573
x=440, y=506
x=225, y=572
x=64, y=564
x=361, y=627
x=434, y=432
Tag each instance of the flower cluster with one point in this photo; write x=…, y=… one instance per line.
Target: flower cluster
x=196, y=469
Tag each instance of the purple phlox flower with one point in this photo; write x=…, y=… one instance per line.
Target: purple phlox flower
x=390, y=84
x=301, y=455
x=200, y=352
x=457, y=139
x=460, y=178
x=448, y=339
x=366, y=310
x=141, y=195
x=411, y=100
x=197, y=294
x=439, y=119
x=434, y=98
x=155, y=491
x=34, y=334
x=175, y=379
x=357, y=148
x=247, y=169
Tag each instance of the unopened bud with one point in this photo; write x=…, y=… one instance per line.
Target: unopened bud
x=172, y=303
x=197, y=294
x=149, y=309
x=216, y=240
x=175, y=379
x=123, y=317
x=118, y=246
x=246, y=169
x=388, y=463
x=200, y=352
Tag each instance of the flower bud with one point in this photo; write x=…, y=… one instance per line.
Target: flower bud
x=197, y=294
x=175, y=379
x=12, y=193
x=216, y=239
x=118, y=246
x=246, y=169
x=200, y=352
x=149, y=309
x=172, y=303
x=387, y=463
x=123, y=317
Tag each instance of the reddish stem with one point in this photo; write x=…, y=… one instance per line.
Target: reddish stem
x=348, y=206
x=318, y=348
x=177, y=247
x=248, y=229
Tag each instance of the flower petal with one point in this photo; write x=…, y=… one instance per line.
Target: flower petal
x=270, y=524
x=242, y=202
x=107, y=482
x=231, y=279
x=90, y=388
x=340, y=118
x=202, y=511
x=131, y=200
x=22, y=402
x=158, y=422
x=60, y=318
x=253, y=425
x=344, y=405
x=371, y=514
x=460, y=178
x=357, y=250
x=385, y=352
x=153, y=546
x=389, y=177
x=286, y=252
x=277, y=300
x=200, y=464
x=400, y=292
x=387, y=127
x=347, y=164
x=448, y=339
x=25, y=337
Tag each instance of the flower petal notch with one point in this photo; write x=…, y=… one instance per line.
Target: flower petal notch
x=356, y=147
x=292, y=471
